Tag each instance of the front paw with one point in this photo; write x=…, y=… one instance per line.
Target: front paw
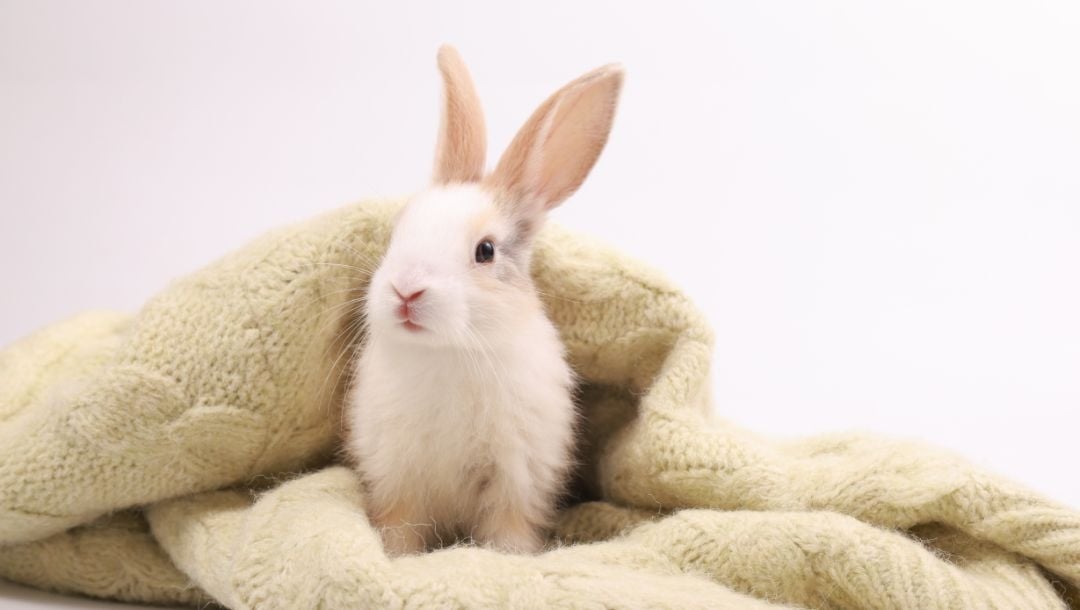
x=402, y=539
x=511, y=535
x=403, y=529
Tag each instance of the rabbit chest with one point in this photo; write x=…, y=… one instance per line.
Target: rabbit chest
x=441, y=428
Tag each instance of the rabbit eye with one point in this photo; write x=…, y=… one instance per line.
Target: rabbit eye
x=485, y=251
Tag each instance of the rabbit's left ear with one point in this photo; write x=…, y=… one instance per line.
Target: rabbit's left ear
x=459, y=155
x=553, y=153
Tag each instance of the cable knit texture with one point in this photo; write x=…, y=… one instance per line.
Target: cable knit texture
x=186, y=454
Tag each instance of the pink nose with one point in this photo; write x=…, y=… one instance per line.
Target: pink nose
x=410, y=298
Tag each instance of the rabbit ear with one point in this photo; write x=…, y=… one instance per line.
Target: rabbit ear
x=553, y=153
x=459, y=155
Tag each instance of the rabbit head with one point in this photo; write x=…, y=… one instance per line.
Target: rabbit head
x=456, y=272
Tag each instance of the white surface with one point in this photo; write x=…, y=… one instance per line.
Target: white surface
x=877, y=204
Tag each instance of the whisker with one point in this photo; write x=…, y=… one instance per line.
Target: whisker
x=322, y=297
x=350, y=332
x=346, y=371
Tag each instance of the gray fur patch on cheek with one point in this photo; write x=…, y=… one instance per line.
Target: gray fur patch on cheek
x=508, y=270
x=512, y=258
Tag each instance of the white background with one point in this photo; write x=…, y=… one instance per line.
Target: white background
x=876, y=204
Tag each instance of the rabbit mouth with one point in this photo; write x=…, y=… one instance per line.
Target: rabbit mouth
x=407, y=314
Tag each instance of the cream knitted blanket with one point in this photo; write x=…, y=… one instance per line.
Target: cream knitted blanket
x=183, y=455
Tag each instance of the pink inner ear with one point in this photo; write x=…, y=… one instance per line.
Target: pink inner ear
x=554, y=152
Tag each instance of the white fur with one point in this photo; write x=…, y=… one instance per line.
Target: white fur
x=460, y=415
x=483, y=395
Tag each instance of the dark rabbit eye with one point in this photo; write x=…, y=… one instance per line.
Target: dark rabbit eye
x=485, y=251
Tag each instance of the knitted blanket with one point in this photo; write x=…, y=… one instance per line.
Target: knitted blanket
x=185, y=455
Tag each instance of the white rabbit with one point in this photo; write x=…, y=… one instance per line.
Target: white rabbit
x=460, y=415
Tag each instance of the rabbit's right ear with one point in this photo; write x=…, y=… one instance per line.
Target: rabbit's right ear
x=459, y=155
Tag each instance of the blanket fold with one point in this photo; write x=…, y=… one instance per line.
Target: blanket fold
x=184, y=455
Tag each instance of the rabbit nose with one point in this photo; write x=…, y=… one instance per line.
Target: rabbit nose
x=409, y=298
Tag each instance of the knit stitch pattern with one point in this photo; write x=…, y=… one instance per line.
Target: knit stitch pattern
x=186, y=454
